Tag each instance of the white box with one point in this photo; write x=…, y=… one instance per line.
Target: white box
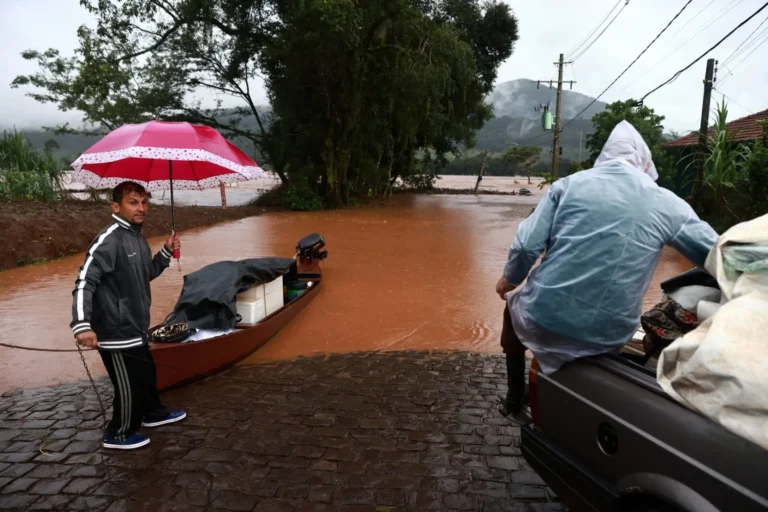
x=251, y=294
x=274, y=301
x=251, y=311
x=274, y=286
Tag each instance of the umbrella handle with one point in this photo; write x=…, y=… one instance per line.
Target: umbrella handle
x=177, y=253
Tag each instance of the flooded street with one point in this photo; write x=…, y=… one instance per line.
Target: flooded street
x=415, y=273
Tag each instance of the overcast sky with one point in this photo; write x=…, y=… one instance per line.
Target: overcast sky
x=547, y=28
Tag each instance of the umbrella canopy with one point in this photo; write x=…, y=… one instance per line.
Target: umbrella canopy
x=164, y=155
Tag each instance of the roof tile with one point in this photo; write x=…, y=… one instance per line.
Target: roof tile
x=745, y=128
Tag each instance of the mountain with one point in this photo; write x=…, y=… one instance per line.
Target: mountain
x=517, y=122
x=517, y=98
x=500, y=133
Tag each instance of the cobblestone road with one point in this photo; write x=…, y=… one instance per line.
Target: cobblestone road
x=368, y=432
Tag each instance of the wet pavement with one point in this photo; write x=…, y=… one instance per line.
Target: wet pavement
x=368, y=431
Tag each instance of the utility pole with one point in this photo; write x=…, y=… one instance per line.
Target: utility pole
x=581, y=133
x=558, y=114
x=480, y=174
x=708, y=82
x=558, y=111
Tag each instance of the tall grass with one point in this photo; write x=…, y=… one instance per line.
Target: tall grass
x=26, y=173
x=725, y=164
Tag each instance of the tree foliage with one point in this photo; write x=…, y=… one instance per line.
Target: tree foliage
x=754, y=183
x=361, y=92
x=646, y=122
x=154, y=59
x=525, y=157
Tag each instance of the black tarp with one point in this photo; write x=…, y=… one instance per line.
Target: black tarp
x=208, y=297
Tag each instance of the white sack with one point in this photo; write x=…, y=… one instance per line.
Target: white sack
x=720, y=369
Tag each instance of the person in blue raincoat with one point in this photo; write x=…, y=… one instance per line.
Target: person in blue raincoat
x=601, y=231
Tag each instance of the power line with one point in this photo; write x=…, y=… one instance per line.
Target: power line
x=730, y=74
x=631, y=63
x=733, y=54
x=594, y=30
x=686, y=68
x=691, y=20
x=763, y=33
x=582, y=52
x=712, y=20
x=647, y=70
x=534, y=137
x=706, y=25
x=734, y=101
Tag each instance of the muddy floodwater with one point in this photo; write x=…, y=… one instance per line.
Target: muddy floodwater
x=415, y=273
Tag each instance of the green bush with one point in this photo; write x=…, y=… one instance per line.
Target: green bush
x=300, y=197
x=25, y=173
x=420, y=182
x=754, y=183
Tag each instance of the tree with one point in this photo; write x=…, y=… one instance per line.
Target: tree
x=646, y=122
x=644, y=119
x=51, y=145
x=154, y=59
x=525, y=157
x=366, y=92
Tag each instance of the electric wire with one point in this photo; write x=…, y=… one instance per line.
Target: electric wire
x=630, y=65
x=686, y=68
x=581, y=43
x=582, y=52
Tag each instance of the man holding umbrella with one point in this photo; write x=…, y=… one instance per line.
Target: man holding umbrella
x=110, y=311
x=111, y=299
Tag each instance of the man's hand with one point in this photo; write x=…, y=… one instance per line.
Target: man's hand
x=173, y=243
x=503, y=287
x=87, y=339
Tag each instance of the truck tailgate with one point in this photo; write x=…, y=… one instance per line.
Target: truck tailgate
x=618, y=424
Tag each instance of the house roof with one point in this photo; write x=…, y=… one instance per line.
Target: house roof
x=745, y=128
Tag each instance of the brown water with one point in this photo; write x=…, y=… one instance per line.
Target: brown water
x=417, y=273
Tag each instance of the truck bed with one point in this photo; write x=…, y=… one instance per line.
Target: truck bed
x=608, y=432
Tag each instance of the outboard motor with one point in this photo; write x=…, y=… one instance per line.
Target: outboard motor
x=310, y=247
x=309, y=251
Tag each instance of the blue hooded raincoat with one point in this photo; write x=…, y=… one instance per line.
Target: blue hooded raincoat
x=602, y=231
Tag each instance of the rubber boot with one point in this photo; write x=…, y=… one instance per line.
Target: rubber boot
x=517, y=393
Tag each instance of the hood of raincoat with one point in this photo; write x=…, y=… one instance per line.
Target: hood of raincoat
x=626, y=147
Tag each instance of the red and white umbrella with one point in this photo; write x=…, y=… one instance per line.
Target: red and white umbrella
x=162, y=155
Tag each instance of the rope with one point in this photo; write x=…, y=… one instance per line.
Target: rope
x=21, y=347
x=80, y=351
x=85, y=365
x=93, y=385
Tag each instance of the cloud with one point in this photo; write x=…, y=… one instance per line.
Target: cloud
x=547, y=28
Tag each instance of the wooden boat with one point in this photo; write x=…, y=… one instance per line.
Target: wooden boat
x=180, y=363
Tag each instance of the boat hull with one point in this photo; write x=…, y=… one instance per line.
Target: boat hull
x=181, y=363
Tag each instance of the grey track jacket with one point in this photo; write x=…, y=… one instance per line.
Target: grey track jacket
x=112, y=293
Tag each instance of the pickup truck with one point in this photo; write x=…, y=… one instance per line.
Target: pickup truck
x=606, y=437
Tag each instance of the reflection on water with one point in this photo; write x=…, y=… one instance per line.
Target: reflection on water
x=417, y=273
